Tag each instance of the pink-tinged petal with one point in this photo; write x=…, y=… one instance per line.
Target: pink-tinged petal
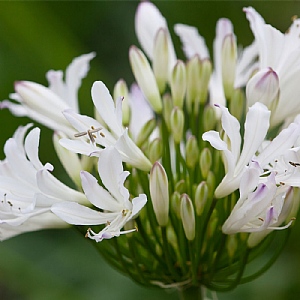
x=51, y=186
x=256, y=128
x=106, y=107
x=76, y=214
x=56, y=84
x=75, y=72
x=193, y=43
x=148, y=21
x=112, y=175
x=97, y=195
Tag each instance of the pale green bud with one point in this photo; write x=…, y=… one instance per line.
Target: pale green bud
x=201, y=196
x=177, y=124
x=236, y=104
x=145, y=132
x=187, y=217
x=155, y=150
x=159, y=192
x=175, y=204
x=121, y=90
x=161, y=59
x=204, y=80
x=180, y=186
x=229, y=58
x=192, y=152
x=209, y=118
x=205, y=162
x=178, y=83
x=167, y=110
x=145, y=78
x=231, y=245
x=211, y=183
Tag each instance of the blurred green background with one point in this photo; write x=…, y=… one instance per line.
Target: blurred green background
x=38, y=36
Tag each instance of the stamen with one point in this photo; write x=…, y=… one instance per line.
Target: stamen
x=90, y=133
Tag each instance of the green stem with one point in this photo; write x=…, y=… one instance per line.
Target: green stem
x=191, y=293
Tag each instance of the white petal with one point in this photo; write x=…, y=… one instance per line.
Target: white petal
x=97, y=195
x=79, y=146
x=106, y=108
x=77, y=214
x=137, y=204
x=193, y=43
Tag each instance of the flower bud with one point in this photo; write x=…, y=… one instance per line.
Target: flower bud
x=145, y=132
x=201, y=196
x=178, y=84
x=159, y=192
x=229, y=57
x=168, y=107
x=177, y=124
x=145, y=78
x=231, y=245
x=263, y=87
x=236, y=104
x=209, y=118
x=180, y=186
x=161, y=59
x=187, y=217
x=155, y=150
x=192, y=152
x=175, y=204
x=205, y=162
x=211, y=183
x=121, y=90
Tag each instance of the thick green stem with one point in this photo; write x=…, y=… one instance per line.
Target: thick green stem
x=191, y=293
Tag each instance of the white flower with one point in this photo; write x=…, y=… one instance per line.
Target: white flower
x=28, y=189
x=256, y=127
x=94, y=133
x=45, y=105
x=116, y=208
x=281, y=53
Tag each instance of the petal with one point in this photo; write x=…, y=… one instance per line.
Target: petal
x=193, y=43
x=76, y=214
x=137, y=204
x=106, y=108
x=97, y=195
x=111, y=172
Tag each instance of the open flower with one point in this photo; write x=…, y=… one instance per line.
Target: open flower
x=116, y=208
x=28, y=188
x=93, y=133
x=256, y=127
x=45, y=104
x=280, y=52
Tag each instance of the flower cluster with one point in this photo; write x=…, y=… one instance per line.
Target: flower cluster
x=219, y=167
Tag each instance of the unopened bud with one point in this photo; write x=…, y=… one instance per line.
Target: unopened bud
x=121, y=90
x=177, y=124
x=178, y=84
x=209, y=118
x=187, y=217
x=236, y=104
x=201, y=196
x=205, y=162
x=145, y=78
x=231, y=245
x=167, y=110
x=155, y=150
x=145, y=132
x=159, y=192
x=229, y=58
x=263, y=87
x=180, y=186
x=161, y=59
x=175, y=204
x=192, y=152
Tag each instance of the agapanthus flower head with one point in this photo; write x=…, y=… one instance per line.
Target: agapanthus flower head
x=214, y=172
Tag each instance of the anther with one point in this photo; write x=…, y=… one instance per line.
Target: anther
x=90, y=133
